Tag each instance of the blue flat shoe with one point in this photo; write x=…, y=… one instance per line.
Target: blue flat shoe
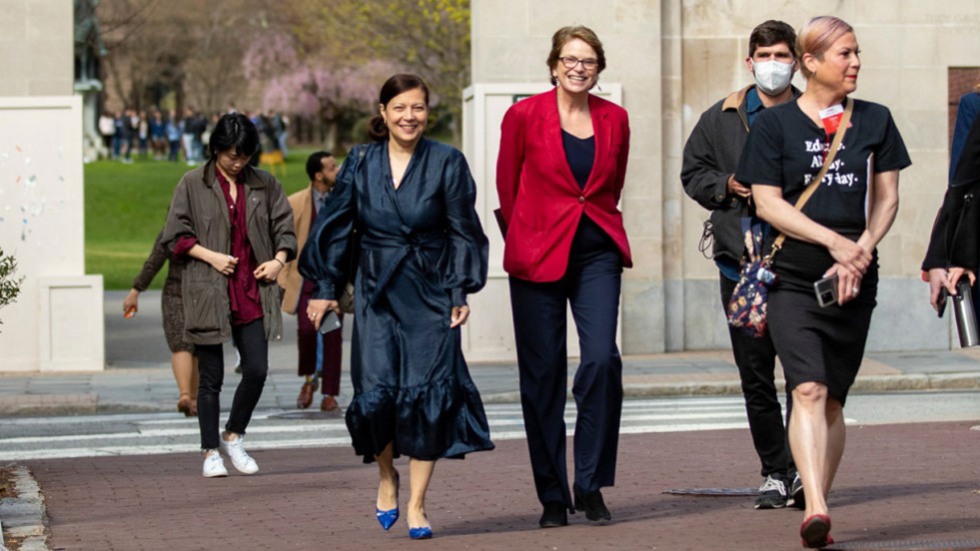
x=422, y=533
x=388, y=518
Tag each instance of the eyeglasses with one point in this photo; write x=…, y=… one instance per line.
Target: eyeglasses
x=572, y=62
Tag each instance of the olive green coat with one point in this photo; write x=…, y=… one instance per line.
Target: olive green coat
x=198, y=209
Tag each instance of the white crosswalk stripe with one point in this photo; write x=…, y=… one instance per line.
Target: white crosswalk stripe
x=157, y=433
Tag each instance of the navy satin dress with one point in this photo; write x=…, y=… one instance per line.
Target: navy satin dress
x=422, y=250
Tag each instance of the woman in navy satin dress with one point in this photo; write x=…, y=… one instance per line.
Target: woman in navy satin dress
x=422, y=250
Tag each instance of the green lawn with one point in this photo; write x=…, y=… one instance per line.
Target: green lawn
x=126, y=205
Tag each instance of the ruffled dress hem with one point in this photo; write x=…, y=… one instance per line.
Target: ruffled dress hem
x=437, y=420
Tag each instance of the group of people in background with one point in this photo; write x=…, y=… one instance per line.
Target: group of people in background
x=395, y=230
x=129, y=134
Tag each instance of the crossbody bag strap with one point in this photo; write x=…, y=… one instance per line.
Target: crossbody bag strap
x=831, y=153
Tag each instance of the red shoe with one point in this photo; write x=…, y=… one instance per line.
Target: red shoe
x=305, y=397
x=815, y=532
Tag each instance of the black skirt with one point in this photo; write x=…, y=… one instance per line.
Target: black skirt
x=814, y=344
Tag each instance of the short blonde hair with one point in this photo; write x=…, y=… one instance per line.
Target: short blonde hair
x=817, y=36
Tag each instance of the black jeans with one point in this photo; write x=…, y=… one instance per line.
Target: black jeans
x=254, y=350
x=756, y=361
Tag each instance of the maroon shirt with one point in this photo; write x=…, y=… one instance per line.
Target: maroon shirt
x=243, y=288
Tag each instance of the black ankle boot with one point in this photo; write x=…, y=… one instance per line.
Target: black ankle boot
x=554, y=515
x=595, y=509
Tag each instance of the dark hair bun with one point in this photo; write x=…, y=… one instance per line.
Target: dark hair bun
x=377, y=129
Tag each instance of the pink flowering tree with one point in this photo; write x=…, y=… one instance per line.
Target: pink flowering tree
x=323, y=89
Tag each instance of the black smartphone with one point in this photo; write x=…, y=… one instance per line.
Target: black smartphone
x=826, y=290
x=330, y=322
x=941, y=305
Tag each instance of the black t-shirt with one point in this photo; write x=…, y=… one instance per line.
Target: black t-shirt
x=786, y=149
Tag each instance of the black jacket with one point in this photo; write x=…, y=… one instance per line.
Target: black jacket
x=955, y=240
x=711, y=155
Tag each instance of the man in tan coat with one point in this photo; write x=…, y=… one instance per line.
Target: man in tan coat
x=315, y=349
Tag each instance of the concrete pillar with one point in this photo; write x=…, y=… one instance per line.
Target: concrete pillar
x=56, y=323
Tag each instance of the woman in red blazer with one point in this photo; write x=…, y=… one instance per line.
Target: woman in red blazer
x=560, y=175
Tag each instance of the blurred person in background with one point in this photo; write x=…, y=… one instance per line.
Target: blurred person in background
x=182, y=359
x=319, y=354
x=107, y=128
x=158, y=136
x=143, y=134
x=175, y=131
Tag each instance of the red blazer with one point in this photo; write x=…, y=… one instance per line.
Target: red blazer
x=539, y=198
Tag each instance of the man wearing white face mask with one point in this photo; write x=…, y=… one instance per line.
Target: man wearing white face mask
x=710, y=157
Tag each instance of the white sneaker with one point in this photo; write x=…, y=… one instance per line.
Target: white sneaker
x=213, y=465
x=235, y=450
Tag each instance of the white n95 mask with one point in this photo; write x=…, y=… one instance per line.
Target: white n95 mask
x=772, y=77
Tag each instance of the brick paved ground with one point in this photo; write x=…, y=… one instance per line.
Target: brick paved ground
x=897, y=482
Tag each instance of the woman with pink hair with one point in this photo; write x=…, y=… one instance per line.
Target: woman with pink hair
x=833, y=236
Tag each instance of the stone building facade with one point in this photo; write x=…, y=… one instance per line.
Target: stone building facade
x=675, y=58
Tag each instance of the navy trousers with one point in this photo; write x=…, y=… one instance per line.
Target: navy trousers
x=592, y=287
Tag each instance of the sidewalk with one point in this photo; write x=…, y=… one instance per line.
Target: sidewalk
x=315, y=498
x=324, y=499
x=138, y=376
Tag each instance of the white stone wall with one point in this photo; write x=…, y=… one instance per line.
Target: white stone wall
x=56, y=324
x=36, y=48
x=674, y=59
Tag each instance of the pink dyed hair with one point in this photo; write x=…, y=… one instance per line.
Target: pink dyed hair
x=818, y=35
